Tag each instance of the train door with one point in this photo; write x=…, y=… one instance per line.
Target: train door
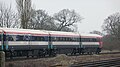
x=4, y=44
x=50, y=46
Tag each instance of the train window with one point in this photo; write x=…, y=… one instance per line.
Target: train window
x=94, y=40
x=46, y=38
x=84, y=39
x=73, y=39
x=26, y=38
x=61, y=38
x=19, y=38
x=9, y=38
x=67, y=38
x=38, y=38
x=57, y=38
x=89, y=40
x=53, y=38
x=33, y=38
x=42, y=38
x=70, y=39
x=78, y=39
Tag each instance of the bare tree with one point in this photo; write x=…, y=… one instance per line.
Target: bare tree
x=41, y=20
x=112, y=25
x=24, y=10
x=110, y=43
x=66, y=18
x=8, y=18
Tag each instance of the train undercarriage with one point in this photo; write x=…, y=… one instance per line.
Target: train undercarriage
x=37, y=53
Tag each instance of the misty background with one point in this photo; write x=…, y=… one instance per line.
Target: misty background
x=84, y=16
x=93, y=11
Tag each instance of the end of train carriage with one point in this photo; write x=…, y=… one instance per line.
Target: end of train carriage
x=99, y=37
x=100, y=44
x=91, y=43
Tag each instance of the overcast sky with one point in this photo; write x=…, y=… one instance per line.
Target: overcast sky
x=93, y=11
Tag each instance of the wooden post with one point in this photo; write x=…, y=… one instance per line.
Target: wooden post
x=2, y=59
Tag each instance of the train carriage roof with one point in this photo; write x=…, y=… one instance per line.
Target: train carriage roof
x=46, y=33
x=90, y=35
x=65, y=34
x=23, y=31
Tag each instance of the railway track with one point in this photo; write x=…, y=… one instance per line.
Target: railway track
x=110, y=53
x=102, y=63
x=68, y=61
x=25, y=58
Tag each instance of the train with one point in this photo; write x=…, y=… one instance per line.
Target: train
x=41, y=43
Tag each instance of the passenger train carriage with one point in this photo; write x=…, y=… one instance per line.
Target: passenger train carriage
x=91, y=43
x=64, y=42
x=26, y=42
